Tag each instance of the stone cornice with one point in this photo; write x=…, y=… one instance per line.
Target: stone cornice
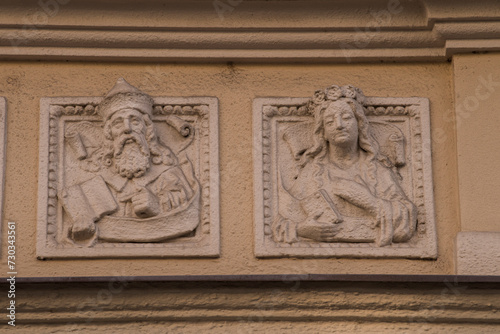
x=253, y=31
x=462, y=279
x=120, y=300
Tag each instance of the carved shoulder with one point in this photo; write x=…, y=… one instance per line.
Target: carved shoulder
x=305, y=184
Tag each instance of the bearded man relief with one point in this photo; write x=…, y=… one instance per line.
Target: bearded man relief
x=141, y=190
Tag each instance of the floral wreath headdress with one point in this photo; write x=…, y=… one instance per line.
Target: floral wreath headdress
x=323, y=97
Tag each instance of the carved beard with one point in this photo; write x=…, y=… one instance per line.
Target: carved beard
x=132, y=156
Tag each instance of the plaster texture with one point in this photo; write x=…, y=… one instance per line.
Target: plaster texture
x=236, y=86
x=478, y=253
x=477, y=101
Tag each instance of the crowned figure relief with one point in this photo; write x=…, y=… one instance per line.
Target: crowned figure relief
x=346, y=188
x=141, y=191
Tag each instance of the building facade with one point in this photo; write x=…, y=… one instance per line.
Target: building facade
x=223, y=83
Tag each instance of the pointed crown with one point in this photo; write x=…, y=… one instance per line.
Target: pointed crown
x=125, y=96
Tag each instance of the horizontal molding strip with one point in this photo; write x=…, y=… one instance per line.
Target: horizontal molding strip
x=124, y=301
x=266, y=278
x=439, y=44
x=229, y=55
x=469, y=316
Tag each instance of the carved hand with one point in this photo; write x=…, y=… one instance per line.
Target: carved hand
x=177, y=198
x=145, y=204
x=171, y=191
x=312, y=229
x=83, y=229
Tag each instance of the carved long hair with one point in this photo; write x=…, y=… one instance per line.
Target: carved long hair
x=317, y=153
x=159, y=153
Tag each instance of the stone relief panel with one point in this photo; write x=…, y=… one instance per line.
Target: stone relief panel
x=343, y=175
x=128, y=175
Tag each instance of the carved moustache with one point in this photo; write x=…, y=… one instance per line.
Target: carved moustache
x=119, y=143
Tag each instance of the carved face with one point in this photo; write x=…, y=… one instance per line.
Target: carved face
x=127, y=121
x=131, y=151
x=127, y=126
x=340, y=125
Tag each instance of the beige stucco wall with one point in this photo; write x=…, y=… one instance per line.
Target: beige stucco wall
x=477, y=96
x=236, y=85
